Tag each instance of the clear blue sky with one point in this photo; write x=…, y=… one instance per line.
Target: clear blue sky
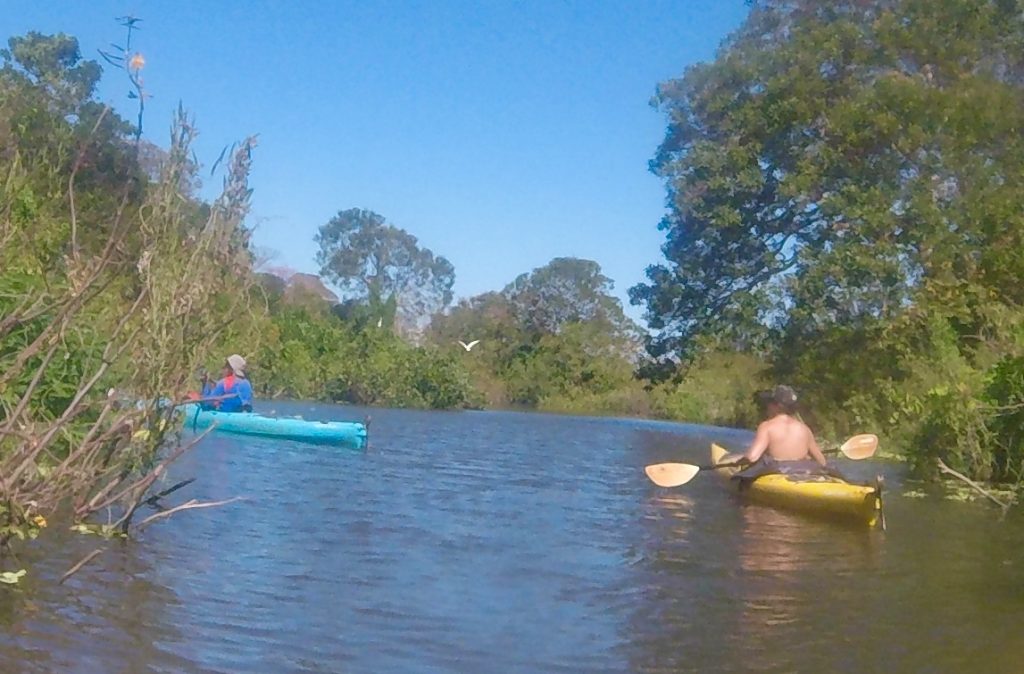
x=500, y=134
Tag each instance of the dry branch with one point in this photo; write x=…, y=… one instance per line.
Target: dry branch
x=82, y=562
x=188, y=505
x=949, y=471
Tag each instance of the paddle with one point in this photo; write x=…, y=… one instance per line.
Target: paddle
x=677, y=474
x=189, y=401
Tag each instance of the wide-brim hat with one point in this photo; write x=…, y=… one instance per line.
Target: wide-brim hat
x=237, y=364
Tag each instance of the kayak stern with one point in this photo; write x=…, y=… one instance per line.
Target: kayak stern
x=812, y=494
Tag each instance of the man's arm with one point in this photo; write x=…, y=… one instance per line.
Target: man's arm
x=217, y=392
x=815, y=450
x=759, y=445
x=244, y=390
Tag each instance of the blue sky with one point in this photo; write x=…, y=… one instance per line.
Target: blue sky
x=500, y=134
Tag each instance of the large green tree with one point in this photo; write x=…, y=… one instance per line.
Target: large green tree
x=553, y=337
x=376, y=262
x=849, y=176
x=842, y=163
x=566, y=290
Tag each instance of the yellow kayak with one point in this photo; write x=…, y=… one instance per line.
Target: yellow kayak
x=818, y=494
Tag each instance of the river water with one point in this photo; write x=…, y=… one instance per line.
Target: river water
x=507, y=542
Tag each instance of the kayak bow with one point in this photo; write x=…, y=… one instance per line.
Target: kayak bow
x=350, y=433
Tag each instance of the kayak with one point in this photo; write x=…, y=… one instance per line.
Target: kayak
x=809, y=493
x=286, y=428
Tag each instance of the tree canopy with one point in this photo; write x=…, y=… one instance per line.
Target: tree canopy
x=373, y=261
x=565, y=290
x=553, y=337
x=845, y=180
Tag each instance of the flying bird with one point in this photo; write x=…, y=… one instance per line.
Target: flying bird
x=380, y=321
x=469, y=347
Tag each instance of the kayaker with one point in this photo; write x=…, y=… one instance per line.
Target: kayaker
x=783, y=443
x=233, y=383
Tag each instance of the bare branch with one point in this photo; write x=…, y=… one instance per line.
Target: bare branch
x=949, y=471
x=85, y=560
x=189, y=505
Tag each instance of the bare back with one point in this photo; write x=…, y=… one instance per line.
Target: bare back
x=785, y=438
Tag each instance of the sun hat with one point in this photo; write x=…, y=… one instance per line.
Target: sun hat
x=237, y=364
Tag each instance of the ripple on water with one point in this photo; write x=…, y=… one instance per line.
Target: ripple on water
x=478, y=542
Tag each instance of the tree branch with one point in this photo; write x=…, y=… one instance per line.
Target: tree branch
x=85, y=560
x=188, y=505
x=949, y=471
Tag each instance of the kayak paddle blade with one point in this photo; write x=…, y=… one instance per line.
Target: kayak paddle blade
x=671, y=474
x=860, y=446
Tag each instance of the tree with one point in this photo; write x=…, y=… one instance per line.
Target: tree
x=564, y=291
x=555, y=333
x=831, y=166
x=54, y=63
x=376, y=262
x=487, y=318
x=847, y=177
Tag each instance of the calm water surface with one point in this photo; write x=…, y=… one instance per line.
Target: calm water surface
x=504, y=542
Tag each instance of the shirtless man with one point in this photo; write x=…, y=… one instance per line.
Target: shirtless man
x=782, y=436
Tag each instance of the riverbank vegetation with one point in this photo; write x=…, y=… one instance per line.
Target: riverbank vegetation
x=845, y=187
x=111, y=275
x=844, y=214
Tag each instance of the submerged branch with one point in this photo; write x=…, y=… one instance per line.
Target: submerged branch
x=949, y=471
x=188, y=505
x=154, y=500
x=82, y=562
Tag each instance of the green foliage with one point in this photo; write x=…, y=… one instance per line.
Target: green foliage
x=565, y=291
x=554, y=338
x=845, y=182
x=376, y=262
x=311, y=353
x=1005, y=393
x=718, y=388
x=55, y=65
x=110, y=276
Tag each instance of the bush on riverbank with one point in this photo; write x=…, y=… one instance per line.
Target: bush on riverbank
x=845, y=184
x=111, y=275
x=308, y=352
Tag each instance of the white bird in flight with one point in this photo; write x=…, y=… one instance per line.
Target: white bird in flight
x=469, y=346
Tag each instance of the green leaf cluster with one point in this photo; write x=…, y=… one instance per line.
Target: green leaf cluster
x=554, y=339
x=309, y=352
x=845, y=185
x=112, y=275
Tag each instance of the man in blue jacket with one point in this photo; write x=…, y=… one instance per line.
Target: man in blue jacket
x=233, y=384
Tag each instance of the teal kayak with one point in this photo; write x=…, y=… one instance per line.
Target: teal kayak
x=350, y=433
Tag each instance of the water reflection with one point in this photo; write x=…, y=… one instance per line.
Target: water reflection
x=776, y=541
x=113, y=603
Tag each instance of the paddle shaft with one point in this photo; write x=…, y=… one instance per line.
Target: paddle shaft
x=744, y=462
x=204, y=400
x=731, y=464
